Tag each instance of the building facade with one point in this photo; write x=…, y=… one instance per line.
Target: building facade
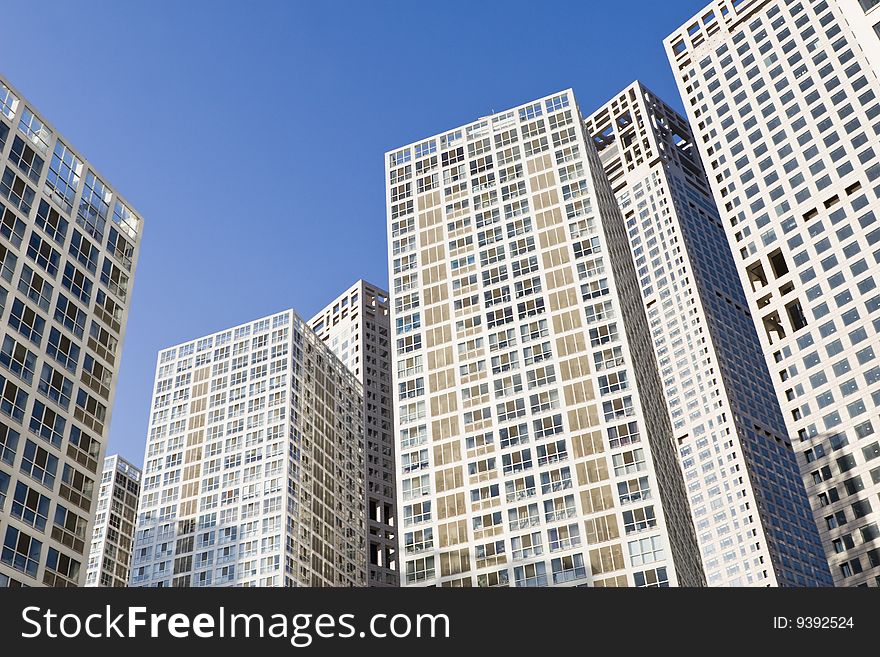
x=68, y=249
x=253, y=469
x=113, y=536
x=750, y=511
x=785, y=106
x=534, y=444
x=356, y=327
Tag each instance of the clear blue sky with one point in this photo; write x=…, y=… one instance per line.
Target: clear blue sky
x=250, y=135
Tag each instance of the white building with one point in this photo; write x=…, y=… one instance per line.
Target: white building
x=68, y=248
x=253, y=469
x=356, y=327
x=534, y=444
x=751, y=514
x=785, y=105
x=112, y=538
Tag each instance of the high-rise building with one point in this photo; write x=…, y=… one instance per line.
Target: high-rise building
x=534, y=443
x=253, y=469
x=356, y=327
x=785, y=107
x=113, y=536
x=751, y=514
x=68, y=248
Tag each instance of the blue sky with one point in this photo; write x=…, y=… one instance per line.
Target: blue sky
x=250, y=135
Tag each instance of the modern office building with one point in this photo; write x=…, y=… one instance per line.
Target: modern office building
x=534, y=443
x=750, y=511
x=113, y=536
x=68, y=248
x=356, y=327
x=253, y=470
x=785, y=106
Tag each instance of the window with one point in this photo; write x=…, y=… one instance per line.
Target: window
x=65, y=172
x=55, y=386
x=544, y=401
x=513, y=435
x=541, y=376
x=419, y=512
x=4, y=488
x=547, y=426
x=114, y=278
x=71, y=317
x=94, y=206
x=18, y=359
x=413, y=461
x=629, y=462
x=568, y=568
x=89, y=446
x=8, y=445
x=12, y=399
x=614, y=382
x=90, y=410
x=63, y=350
x=652, y=578
x=102, y=341
x=634, y=490
x=8, y=102
x=618, y=408
x=530, y=575
x=21, y=552
x=11, y=227
x=419, y=570
x=603, y=335
x=639, y=520
x=35, y=287
x=8, y=261
x=26, y=159
x=409, y=323
x=35, y=130
x=39, y=464
x=30, y=506
x=75, y=281
x=624, y=434
x=646, y=550
x=412, y=388
x=84, y=251
x=559, y=508
x=517, y=461
x=19, y=193
x=47, y=424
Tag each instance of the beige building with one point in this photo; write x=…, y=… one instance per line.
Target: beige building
x=356, y=327
x=534, y=444
x=784, y=101
x=253, y=467
x=68, y=249
x=749, y=508
x=113, y=536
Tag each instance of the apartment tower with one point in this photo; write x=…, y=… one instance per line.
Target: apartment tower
x=534, y=444
x=356, y=327
x=113, y=536
x=784, y=102
x=751, y=514
x=68, y=248
x=253, y=469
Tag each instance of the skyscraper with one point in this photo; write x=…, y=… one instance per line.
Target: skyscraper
x=356, y=327
x=253, y=470
x=751, y=514
x=113, y=536
x=535, y=447
x=68, y=248
x=783, y=100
